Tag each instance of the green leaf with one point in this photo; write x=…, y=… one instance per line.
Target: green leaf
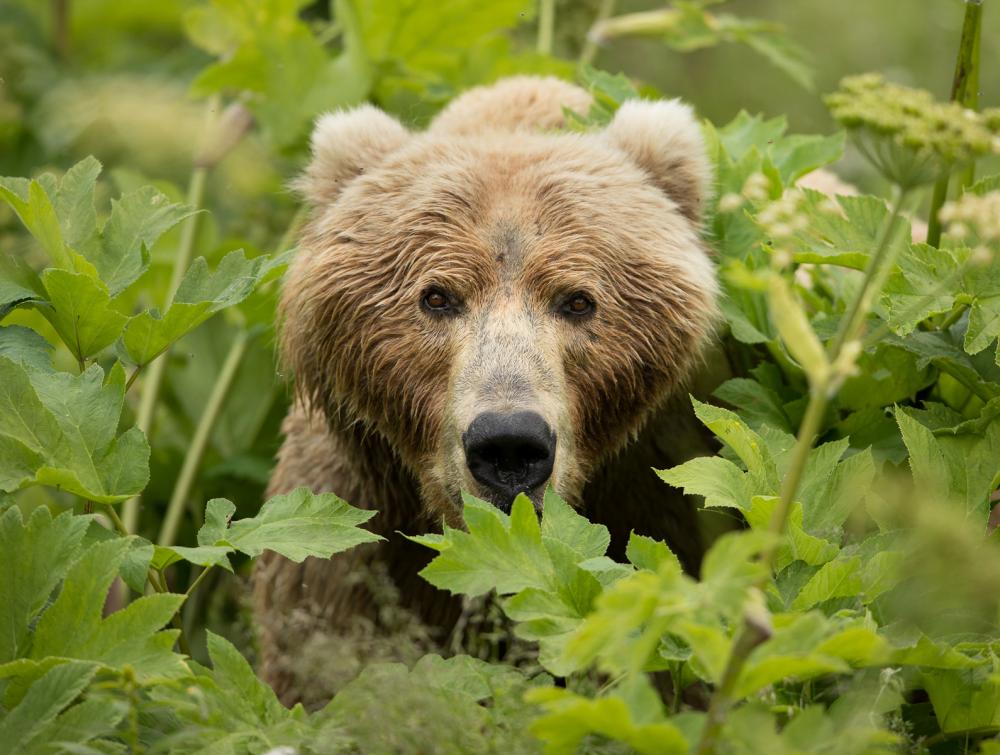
x=74, y=201
x=238, y=683
x=81, y=312
x=964, y=699
x=562, y=524
x=842, y=231
x=45, y=699
x=799, y=545
x=924, y=284
x=286, y=97
x=540, y=565
x=756, y=403
x=128, y=637
x=60, y=430
x=960, y=467
x=23, y=345
x=78, y=725
x=718, y=480
x=646, y=553
x=44, y=549
x=932, y=281
x=199, y=296
x=745, y=443
x=296, y=525
x=570, y=717
x=137, y=221
x=19, y=284
x=32, y=204
x=836, y=579
x=798, y=155
x=499, y=552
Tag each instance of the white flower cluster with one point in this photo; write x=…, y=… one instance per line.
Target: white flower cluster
x=974, y=213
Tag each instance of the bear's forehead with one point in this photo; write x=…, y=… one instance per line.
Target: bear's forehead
x=550, y=206
x=494, y=175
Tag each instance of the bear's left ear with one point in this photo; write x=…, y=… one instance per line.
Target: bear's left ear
x=664, y=139
x=344, y=145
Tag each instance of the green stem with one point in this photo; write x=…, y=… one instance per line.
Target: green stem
x=60, y=27
x=546, y=25
x=589, y=52
x=202, y=434
x=154, y=378
x=116, y=520
x=954, y=316
x=976, y=389
x=198, y=579
x=964, y=90
x=751, y=633
x=875, y=274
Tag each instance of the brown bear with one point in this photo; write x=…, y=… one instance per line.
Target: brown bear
x=494, y=306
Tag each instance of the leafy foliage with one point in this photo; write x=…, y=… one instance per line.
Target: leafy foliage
x=847, y=598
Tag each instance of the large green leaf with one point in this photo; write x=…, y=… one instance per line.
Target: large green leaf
x=24, y=345
x=60, y=213
x=19, y=284
x=137, y=221
x=961, y=467
x=33, y=206
x=61, y=430
x=286, y=97
x=843, y=231
x=81, y=311
x=131, y=636
x=43, y=549
x=569, y=718
x=31, y=720
x=539, y=565
x=932, y=281
x=297, y=525
x=200, y=295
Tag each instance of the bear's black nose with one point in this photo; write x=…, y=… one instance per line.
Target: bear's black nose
x=509, y=454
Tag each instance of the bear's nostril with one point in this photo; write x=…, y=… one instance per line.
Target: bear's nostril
x=509, y=453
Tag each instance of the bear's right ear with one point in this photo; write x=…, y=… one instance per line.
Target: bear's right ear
x=344, y=145
x=664, y=139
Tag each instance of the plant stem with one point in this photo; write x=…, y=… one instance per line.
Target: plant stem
x=202, y=434
x=954, y=316
x=590, y=46
x=60, y=27
x=751, y=633
x=116, y=520
x=154, y=378
x=198, y=579
x=964, y=90
x=546, y=25
x=875, y=275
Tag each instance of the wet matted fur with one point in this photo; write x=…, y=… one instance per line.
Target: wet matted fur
x=509, y=216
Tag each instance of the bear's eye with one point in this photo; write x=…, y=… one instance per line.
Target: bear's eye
x=438, y=301
x=578, y=304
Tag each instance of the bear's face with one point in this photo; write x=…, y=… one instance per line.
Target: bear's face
x=505, y=309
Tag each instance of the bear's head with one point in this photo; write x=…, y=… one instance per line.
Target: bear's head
x=503, y=303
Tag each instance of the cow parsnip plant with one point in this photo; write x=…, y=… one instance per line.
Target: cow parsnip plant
x=859, y=432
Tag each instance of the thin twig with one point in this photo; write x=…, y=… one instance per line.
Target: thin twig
x=590, y=47
x=202, y=434
x=546, y=26
x=157, y=368
x=964, y=90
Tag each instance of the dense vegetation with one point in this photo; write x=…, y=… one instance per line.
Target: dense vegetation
x=858, y=419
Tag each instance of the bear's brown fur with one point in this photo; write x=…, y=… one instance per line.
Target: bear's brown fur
x=507, y=217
